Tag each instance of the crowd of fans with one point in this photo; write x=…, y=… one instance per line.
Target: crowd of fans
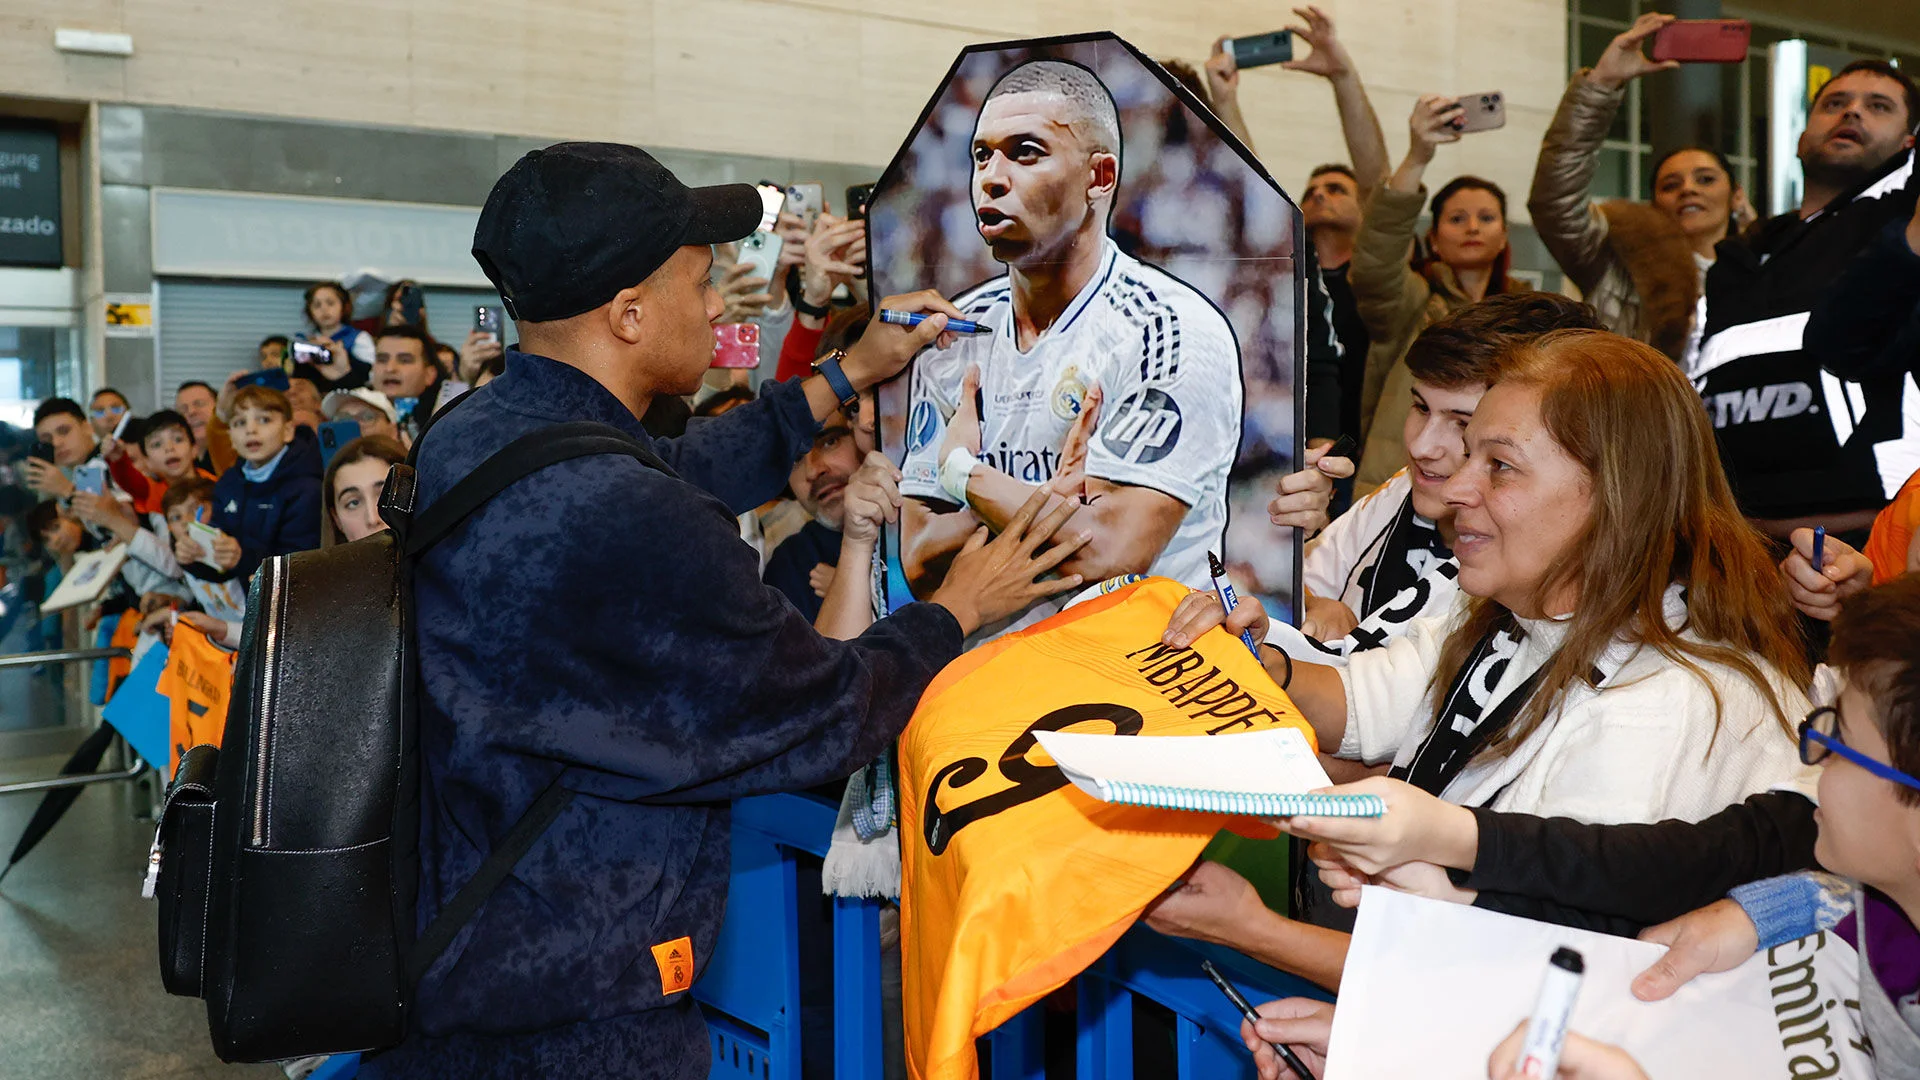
x=1581, y=581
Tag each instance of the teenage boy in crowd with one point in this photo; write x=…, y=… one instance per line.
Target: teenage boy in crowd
x=802, y=567
x=1802, y=447
x=62, y=425
x=405, y=371
x=1402, y=530
x=269, y=503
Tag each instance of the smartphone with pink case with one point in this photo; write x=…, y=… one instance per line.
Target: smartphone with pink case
x=736, y=345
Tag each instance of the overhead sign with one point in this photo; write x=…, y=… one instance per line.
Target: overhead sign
x=29, y=197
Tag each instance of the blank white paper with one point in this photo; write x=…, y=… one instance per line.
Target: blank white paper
x=1430, y=988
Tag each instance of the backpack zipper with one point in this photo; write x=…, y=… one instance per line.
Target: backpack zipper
x=270, y=656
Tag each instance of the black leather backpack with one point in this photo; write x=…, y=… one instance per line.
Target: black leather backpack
x=286, y=858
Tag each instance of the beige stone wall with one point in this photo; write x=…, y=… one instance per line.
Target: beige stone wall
x=837, y=80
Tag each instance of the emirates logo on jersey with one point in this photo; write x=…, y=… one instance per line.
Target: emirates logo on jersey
x=1144, y=427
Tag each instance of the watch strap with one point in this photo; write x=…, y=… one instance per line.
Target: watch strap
x=800, y=305
x=829, y=368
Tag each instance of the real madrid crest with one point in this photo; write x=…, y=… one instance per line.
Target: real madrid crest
x=1068, y=393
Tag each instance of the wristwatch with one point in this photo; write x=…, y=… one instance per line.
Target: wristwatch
x=828, y=367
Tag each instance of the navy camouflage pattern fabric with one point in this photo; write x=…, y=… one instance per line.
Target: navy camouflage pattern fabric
x=602, y=622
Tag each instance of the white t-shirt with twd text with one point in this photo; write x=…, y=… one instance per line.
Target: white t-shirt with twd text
x=1168, y=367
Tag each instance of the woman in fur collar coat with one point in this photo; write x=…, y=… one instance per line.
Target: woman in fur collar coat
x=1639, y=264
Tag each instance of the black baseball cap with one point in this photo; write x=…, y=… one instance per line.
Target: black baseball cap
x=571, y=225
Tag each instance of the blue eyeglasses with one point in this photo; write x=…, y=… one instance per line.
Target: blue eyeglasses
x=1820, y=736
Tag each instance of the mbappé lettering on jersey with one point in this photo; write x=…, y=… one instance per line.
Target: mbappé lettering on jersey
x=1168, y=367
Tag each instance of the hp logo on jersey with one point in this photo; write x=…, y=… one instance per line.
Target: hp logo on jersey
x=1144, y=428
x=922, y=425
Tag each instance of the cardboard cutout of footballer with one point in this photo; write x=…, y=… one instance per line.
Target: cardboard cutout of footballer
x=1132, y=270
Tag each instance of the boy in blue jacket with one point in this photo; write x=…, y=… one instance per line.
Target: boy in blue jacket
x=269, y=502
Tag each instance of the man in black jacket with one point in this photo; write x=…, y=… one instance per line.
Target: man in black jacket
x=1803, y=447
x=600, y=626
x=1869, y=323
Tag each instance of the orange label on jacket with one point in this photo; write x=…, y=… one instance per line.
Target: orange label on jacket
x=1012, y=879
x=675, y=959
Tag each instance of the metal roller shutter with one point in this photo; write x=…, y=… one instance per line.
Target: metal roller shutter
x=207, y=330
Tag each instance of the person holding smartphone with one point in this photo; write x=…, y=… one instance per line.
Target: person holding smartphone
x=66, y=440
x=1398, y=299
x=349, y=361
x=1639, y=264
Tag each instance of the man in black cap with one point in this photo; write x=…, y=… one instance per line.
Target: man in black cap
x=600, y=625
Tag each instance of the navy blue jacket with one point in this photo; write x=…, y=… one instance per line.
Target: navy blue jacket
x=601, y=622
x=790, y=567
x=278, y=515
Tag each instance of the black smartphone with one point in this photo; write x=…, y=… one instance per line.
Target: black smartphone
x=1259, y=50
x=487, y=321
x=413, y=303
x=42, y=451
x=858, y=196
x=1342, y=447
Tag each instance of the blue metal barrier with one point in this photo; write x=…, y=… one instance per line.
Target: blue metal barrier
x=750, y=991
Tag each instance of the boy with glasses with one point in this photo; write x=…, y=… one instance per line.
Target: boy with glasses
x=1868, y=744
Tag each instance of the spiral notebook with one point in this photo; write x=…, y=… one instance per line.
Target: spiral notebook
x=1259, y=774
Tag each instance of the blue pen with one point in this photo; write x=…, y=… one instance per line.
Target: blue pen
x=1819, y=546
x=914, y=318
x=1225, y=589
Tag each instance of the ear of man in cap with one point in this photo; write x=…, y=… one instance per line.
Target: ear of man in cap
x=570, y=226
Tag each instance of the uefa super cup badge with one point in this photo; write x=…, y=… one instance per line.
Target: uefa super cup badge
x=1068, y=393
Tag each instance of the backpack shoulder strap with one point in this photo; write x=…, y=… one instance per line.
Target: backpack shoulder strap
x=521, y=458
x=500, y=862
x=518, y=459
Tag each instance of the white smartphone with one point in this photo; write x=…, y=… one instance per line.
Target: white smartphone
x=805, y=201
x=762, y=252
x=772, y=198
